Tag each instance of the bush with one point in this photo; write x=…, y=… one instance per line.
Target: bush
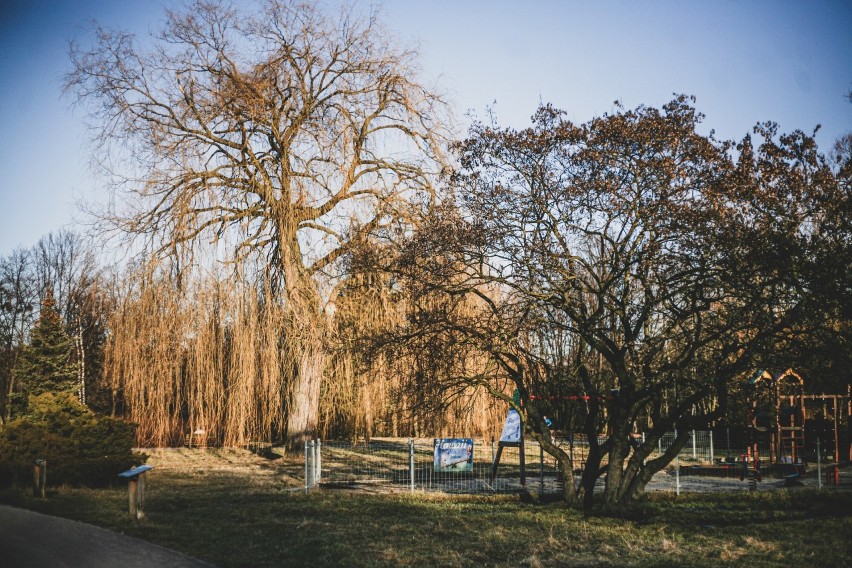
x=80, y=447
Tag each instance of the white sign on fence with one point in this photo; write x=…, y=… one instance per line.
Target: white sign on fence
x=511, y=428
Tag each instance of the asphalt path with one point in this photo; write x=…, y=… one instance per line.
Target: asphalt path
x=34, y=540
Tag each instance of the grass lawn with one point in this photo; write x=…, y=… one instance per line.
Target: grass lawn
x=251, y=513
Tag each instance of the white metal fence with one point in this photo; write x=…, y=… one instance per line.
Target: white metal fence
x=409, y=464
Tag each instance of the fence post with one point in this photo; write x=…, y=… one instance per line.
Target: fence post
x=313, y=463
x=317, y=462
x=694, y=453
x=541, y=466
x=307, y=465
x=570, y=448
x=712, y=456
x=819, y=466
x=728, y=435
x=411, y=463
x=39, y=478
x=677, y=469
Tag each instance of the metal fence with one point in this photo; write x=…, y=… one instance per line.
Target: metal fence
x=715, y=446
x=409, y=464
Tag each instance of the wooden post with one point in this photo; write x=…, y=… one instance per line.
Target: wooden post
x=411, y=463
x=136, y=495
x=496, y=461
x=39, y=478
x=136, y=490
x=132, y=491
x=140, y=496
x=836, y=432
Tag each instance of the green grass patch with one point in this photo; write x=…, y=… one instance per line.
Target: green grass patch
x=231, y=520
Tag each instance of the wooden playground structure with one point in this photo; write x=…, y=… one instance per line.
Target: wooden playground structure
x=801, y=427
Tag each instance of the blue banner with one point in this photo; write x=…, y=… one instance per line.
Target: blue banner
x=453, y=454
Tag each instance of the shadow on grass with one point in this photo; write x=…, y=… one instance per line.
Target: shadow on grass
x=230, y=520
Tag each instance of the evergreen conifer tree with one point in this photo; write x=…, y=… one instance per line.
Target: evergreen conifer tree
x=47, y=363
x=50, y=421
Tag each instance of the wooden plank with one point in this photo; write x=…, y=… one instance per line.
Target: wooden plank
x=135, y=471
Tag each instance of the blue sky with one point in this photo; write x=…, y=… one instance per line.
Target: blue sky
x=790, y=62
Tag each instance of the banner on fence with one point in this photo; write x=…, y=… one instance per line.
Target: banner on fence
x=453, y=454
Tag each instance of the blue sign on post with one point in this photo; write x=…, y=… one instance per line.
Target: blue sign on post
x=130, y=473
x=453, y=454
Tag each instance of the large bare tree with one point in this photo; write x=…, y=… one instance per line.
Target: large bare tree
x=641, y=271
x=280, y=135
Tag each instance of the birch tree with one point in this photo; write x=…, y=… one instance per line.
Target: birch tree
x=278, y=134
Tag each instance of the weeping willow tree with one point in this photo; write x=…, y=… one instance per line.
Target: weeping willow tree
x=384, y=384
x=209, y=352
x=203, y=357
x=284, y=132
x=144, y=359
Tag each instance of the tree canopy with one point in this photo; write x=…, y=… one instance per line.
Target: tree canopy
x=630, y=264
x=625, y=273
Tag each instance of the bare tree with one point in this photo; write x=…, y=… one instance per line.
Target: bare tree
x=283, y=135
x=642, y=271
x=18, y=300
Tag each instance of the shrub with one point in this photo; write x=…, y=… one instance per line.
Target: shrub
x=80, y=447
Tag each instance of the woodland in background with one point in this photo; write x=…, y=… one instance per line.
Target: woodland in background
x=313, y=256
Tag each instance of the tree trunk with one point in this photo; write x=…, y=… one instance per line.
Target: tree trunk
x=591, y=470
x=81, y=362
x=7, y=411
x=303, y=415
x=541, y=433
x=307, y=342
x=618, y=451
x=368, y=412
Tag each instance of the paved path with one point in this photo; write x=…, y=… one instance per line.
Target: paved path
x=33, y=540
